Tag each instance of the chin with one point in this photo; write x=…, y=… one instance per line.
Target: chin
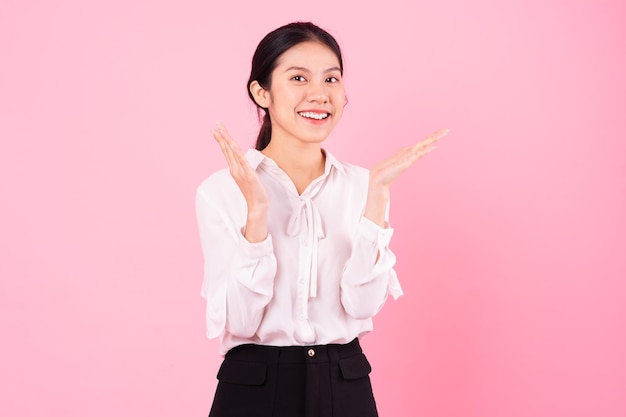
x=314, y=138
x=317, y=135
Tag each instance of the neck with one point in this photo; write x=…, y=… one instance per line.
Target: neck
x=302, y=162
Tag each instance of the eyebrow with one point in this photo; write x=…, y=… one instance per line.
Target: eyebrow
x=306, y=70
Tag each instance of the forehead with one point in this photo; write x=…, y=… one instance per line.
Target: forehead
x=310, y=55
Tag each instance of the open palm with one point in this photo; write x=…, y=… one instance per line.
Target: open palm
x=247, y=179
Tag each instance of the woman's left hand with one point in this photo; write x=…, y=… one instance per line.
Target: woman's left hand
x=384, y=173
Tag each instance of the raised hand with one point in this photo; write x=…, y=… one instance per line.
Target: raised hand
x=246, y=178
x=384, y=173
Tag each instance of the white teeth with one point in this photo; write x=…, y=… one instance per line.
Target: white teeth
x=311, y=115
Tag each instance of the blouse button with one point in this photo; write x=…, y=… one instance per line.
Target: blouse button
x=311, y=353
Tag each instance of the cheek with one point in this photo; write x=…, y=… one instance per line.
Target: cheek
x=340, y=100
x=283, y=98
x=339, y=97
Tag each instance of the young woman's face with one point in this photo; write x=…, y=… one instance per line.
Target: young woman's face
x=307, y=96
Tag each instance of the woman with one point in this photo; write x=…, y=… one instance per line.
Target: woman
x=296, y=243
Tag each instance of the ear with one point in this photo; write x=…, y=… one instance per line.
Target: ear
x=260, y=94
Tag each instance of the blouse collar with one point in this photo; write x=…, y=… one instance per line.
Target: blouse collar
x=255, y=158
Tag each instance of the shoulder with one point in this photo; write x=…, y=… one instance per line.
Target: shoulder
x=217, y=182
x=219, y=194
x=355, y=170
x=351, y=172
x=221, y=181
x=219, y=188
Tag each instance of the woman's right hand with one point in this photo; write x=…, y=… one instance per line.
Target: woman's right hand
x=249, y=183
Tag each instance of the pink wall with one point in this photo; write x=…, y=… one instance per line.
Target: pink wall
x=510, y=237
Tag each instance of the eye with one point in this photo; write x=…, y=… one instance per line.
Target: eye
x=298, y=78
x=332, y=80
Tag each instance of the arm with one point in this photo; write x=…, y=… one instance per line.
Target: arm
x=240, y=265
x=238, y=275
x=369, y=276
x=255, y=194
x=387, y=171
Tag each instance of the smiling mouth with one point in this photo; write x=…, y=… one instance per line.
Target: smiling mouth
x=311, y=115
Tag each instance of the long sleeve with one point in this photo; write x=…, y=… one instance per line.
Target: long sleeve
x=319, y=277
x=238, y=275
x=366, y=280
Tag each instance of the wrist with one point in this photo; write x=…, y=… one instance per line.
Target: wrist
x=258, y=211
x=378, y=193
x=376, y=204
x=256, y=225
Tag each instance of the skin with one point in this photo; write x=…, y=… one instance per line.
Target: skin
x=306, y=78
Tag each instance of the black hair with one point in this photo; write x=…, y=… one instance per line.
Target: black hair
x=265, y=59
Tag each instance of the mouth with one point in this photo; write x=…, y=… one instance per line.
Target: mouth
x=313, y=115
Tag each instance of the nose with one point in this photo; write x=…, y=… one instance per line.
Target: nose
x=318, y=93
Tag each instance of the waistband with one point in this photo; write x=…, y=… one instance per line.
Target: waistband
x=294, y=354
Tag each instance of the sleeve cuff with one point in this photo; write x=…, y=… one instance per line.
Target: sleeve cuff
x=256, y=250
x=375, y=234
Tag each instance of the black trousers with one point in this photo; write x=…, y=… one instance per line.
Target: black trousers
x=295, y=381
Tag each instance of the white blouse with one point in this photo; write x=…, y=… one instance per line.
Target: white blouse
x=314, y=279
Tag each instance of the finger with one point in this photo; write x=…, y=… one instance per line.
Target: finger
x=226, y=135
x=427, y=150
x=234, y=163
x=422, y=153
x=405, y=157
x=234, y=148
x=439, y=134
x=432, y=138
x=219, y=139
x=221, y=134
x=243, y=162
x=227, y=150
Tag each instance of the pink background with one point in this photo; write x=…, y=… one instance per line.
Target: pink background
x=510, y=237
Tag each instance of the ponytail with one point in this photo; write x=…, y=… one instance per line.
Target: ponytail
x=265, y=133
